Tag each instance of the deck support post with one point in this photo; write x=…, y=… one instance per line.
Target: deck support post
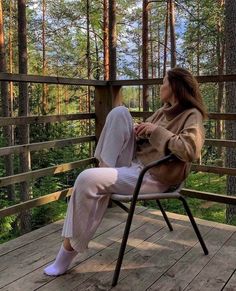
x=106, y=98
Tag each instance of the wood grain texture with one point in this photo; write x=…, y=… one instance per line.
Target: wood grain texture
x=155, y=259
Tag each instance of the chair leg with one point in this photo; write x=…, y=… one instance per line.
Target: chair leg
x=121, y=205
x=123, y=245
x=164, y=215
x=193, y=222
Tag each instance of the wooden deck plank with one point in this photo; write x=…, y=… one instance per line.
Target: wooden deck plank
x=187, y=268
x=97, y=264
x=156, y=259
x=231, y=284
x=36, y=278
x=28, y=238
x=219, y=269
x=132, y=261
x=153, y=260
x=42, y=251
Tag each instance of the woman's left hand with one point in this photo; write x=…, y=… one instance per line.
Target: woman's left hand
x=145, y=128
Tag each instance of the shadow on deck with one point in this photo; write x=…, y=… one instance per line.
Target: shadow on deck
x=156, y=258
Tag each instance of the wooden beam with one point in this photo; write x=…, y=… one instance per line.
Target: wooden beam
x=50, y=80
x=29, y=176
x=67, y=192
x=45, y=199
x=105, y=99
x=144, y=114
x=71, y=141
x=222, y=116
x=137, y=82
x=212, y=115
x=213, y=169
x=220, y=143
x=45, y=145
x=83, y=82
x=44, y=119
x=209, y=196
x=158, y=81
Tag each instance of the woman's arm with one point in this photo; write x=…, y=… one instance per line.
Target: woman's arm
x=186, y=145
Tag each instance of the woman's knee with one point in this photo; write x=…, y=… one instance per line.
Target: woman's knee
x=84, y=178
x=96, y=180
x=118, y=111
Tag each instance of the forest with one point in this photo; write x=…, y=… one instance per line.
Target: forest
x=106, y=40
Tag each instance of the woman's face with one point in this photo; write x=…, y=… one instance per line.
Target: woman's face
x=166, y=93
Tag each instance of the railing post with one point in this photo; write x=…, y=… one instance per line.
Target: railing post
x=106, y=98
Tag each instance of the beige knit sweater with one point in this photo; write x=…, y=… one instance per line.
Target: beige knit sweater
x=179, y=131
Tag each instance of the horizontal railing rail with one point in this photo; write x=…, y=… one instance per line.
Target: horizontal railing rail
x=83, y=82
x=5, y=121
x=220, y=142
x=45, y=145
x=211, y=115
x=214, y=169
x=158, y=81
x=225, y=199
x=77, y=140
x=50, y=80
x=59, y=195
x=45, y=199
x=32, y=175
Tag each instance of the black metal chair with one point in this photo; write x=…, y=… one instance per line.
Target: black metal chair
x=174, y=193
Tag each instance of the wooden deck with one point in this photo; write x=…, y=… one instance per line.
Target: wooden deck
x=156, y=258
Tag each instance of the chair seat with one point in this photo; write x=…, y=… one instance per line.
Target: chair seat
x=148, y=196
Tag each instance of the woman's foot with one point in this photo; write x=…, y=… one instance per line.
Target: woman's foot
x=62, y=262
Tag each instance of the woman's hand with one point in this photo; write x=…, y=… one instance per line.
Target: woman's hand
x=144, y=129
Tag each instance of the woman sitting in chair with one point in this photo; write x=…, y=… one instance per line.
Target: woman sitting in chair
x=123, y=150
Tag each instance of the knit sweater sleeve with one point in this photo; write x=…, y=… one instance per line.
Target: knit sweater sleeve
x=186, y=145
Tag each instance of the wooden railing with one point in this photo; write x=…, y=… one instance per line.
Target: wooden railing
x=107, y=95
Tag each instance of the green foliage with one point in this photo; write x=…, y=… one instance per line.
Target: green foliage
x=48, y=213
x=6, y=228
x=201, y=208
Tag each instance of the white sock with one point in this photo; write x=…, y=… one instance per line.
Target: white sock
x=62, y=262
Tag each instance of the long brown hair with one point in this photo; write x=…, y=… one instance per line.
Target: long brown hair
x=186, y=89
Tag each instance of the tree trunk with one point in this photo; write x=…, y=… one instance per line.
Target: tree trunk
x=97, y=70
x=152, y=60
x=198, y=38
x=158, y=52
x=88, y=109
x=45, y=88
x=139, y=68
x=166, y=38
x=112, y=39
x=23, y=130
x=11, y=64
x=7, y=130
x=172, y=33
x=106, y=39
x=220, y=47
x=230, y=38
x=58, y=102
x=145, y=53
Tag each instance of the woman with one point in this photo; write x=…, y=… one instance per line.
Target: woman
x=123, y=150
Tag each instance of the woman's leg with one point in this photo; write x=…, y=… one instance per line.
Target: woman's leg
x=115, y=147
x=88, y=205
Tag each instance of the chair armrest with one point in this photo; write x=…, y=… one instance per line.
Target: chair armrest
x=157, y=163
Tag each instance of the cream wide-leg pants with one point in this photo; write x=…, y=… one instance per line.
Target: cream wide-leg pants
x=93, y=187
